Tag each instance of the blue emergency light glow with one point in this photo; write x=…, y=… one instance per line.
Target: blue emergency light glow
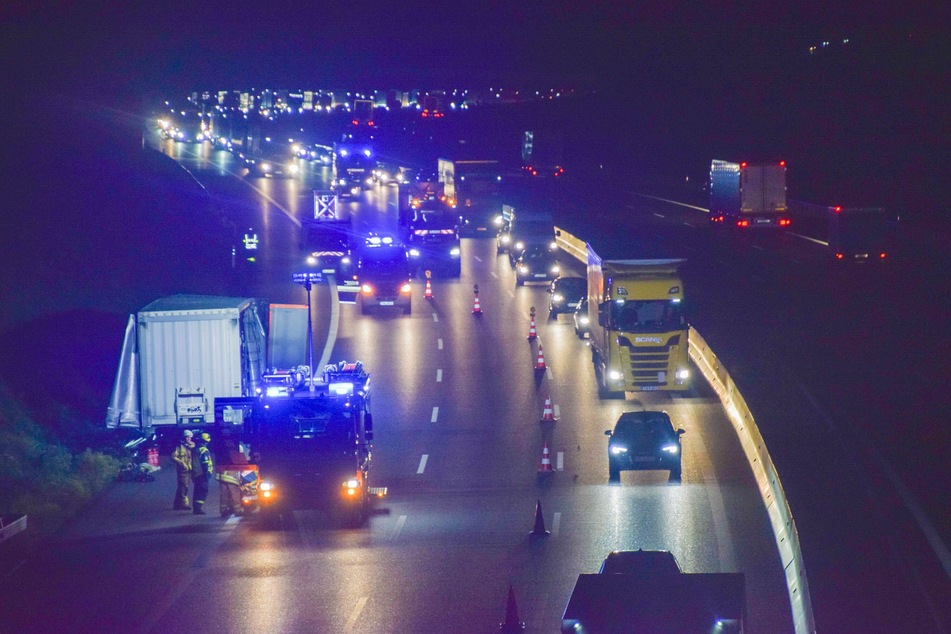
x=341, y=389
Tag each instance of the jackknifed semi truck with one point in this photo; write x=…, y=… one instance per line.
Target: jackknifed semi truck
x=638, y=328
x=181, y=352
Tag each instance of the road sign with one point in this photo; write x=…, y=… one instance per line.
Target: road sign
x=325, y=204
x=308, y=278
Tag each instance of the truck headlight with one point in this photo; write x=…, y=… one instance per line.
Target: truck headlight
x=505, y=239
x=366, y=289
x=615, y=375
x=683, y=374
x=584, y=320
x=293, y=169
x=454, y=251
x=406, y=288
x=311, y=260
x=414, y=253
x=265, y=167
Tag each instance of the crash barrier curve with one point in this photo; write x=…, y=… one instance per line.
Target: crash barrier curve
x=754, y=447
x=10, y=525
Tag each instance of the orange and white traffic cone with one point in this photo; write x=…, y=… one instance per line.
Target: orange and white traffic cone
x=545, y=466
x=476, y=306
x=540, y=361
x=532, y=333
x=429, y=289
x=548, y=414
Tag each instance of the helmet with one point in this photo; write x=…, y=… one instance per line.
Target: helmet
x=188, y=433
x=206, y=437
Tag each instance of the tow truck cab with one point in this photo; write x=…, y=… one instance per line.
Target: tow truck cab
x=433, y=238
x=312, y=442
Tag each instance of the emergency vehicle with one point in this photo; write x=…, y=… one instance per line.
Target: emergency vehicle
x=310, y=442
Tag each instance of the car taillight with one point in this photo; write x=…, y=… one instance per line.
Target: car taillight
x=881, y=256
x=839, y=256
x=784, y=222
x=742, y=223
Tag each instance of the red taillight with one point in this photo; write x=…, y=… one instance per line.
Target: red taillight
x=743, y=165
x=742, y=223
x=837, y=209
x=782, y=163
x=881, y=256
x=369, y=123
x=784, y=222
x=355, y=122
x=839, y=256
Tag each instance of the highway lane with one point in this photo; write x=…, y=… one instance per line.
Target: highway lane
x=847, y=391
x=453, y=533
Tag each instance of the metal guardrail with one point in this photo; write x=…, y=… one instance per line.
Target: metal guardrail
x=754, y=447
x=10, y=525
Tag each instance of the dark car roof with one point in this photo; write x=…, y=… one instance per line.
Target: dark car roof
x=646, y=562
x=385, y=253
x=629, y=422
x=572, y=283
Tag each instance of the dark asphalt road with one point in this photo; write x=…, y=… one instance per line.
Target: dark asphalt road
x=458, y=443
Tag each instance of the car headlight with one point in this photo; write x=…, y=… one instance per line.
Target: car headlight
x=506, y=239
x=519, y=245
x=552, y=246
x=618, y=449
x=556, y=269
x=414, y=253
x=342, y=181
x=584, y=320
x=345, y=260
x=351, y=484
x=265, y=167
x=454, y=251
x=670, y=449
x=293, y=169
x=683, y=374
x=615, y=375
x=558, y=297
x=523, y=270
x=311, y=260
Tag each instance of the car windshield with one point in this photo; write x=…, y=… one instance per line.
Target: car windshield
x=537, y=256
x=301, y=426
x=571, y=286
x=646, y=315
x=644, y=430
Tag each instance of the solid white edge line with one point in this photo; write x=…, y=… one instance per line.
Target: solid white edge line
x=721, y=526
x=560, y=461
x=334, y=323
x=399, y=527
x=557, y=410
x=422, y=464
x=672, y=202
x=556, y=524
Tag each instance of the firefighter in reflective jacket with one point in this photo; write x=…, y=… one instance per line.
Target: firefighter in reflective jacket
x=236, y=477
x=202, y=469
x=182, y=457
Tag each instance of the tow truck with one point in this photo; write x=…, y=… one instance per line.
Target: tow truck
x=310, y=441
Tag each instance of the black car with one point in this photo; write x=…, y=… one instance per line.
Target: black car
x=536, y=265
x=646, y=563
x=581, y=319
x=384, y=276
x=565, y=295
x=644, y=441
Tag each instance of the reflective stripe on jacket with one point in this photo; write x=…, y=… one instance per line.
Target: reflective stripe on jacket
x=203, y=466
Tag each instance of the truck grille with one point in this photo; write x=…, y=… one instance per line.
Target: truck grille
x=647, y=365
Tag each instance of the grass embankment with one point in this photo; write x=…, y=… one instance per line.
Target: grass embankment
x=46, y=474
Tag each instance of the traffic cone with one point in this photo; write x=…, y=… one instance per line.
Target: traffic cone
x=548, y=414
x=539, y=529
x=429, y=289
x=532, y=333
x=540, y=361
x=545, y=467
x=476, y=307
x=512, y=624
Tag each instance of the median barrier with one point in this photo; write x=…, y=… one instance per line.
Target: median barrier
x=754, y=447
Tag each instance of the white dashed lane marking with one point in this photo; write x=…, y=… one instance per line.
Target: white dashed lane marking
x=435, y=414
x=439, y=344
x=422, y=464
x=439, y=376
x=357, y=609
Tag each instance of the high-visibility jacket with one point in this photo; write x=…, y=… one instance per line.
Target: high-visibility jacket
x=182, y=455
x=203, y=466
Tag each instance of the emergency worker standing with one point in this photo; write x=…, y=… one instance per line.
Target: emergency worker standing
x=182, y=456
x=202, y=469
